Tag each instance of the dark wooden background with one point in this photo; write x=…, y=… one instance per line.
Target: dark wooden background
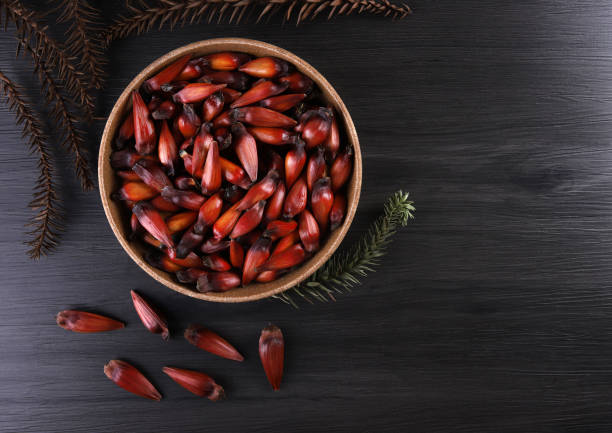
x=493, y=313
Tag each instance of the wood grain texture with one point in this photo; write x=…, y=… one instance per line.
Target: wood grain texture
x=494, y=311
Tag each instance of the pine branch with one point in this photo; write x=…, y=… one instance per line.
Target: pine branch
x=173, y=13
x=46, y=223
x=48, y=50
x=70, y=135
x=83, y=39
x=343, y=270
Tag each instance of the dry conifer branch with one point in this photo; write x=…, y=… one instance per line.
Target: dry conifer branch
x=146, y=16
x=71, y=135
x=48, y=50
x=83, y=39
x=46, y=223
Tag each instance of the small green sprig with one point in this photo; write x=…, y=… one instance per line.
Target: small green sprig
x=344, y=269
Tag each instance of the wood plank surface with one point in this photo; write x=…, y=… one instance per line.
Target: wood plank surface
x=493, y=312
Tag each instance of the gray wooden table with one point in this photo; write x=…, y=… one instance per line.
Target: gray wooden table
x=493, y=312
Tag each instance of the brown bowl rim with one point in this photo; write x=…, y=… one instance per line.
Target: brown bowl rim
x=251, y=292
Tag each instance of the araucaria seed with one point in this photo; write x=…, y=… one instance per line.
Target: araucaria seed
x=191, y=71
x=259, y=116
x=82, y=321
x=125, y=132
x=135, y=227
x=190, y=275
x=198, y=383
x=336, y=215
x=189, y=241
x=260, y=191
x=267, y=276
x=235, y=80
x=255, y=257
x=298, y=82
x=316, y=167
x=321, y=201
x=309, y=231
x=272, y=354
x=125, y=159
x=167, y=75
x=150, y=316
x=151, y=174
x=226, y=61
x=212, y=342
x=164, y=205
x=274, y=206
x=274, y=136
x=294, y=255
x=201, y=144
x=217, y=282
x=184, y=199
x=213, y=245
x=180, y=221
x=161, y=261
x=265, y=67
x=153, y=222
x=208, y=213
x=249, y=220
x=246, y=149
x=196, y=92
x=258, y=92
x=332, y=143
x=144, y=130
x=234, y=174
x=185, y=182
x=315, y=127
x=283, y=102
x=191, y=260
x=135, y=191
x=188, y=121
x=165, y=110
x=278, y=229
x=215, y=262
x=341, y=169
x=213, y=106
x=236, y=252
x=294, y=163
x=211, y=177
x=166, y=148
x=289, y=240
x=296, y=199
x=129, y=378
x=226, y=222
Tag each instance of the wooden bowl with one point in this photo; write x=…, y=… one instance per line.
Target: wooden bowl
x=118, y=218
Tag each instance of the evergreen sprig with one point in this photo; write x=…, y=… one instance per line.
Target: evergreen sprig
x=30, y=30
x=83, y=37
x=70, y=135
x=46, y=223
x=173, y=13
x=344, y=269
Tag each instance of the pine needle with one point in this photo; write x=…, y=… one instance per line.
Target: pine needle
x=46, y=223
x=344, y=270
x=174, y=13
